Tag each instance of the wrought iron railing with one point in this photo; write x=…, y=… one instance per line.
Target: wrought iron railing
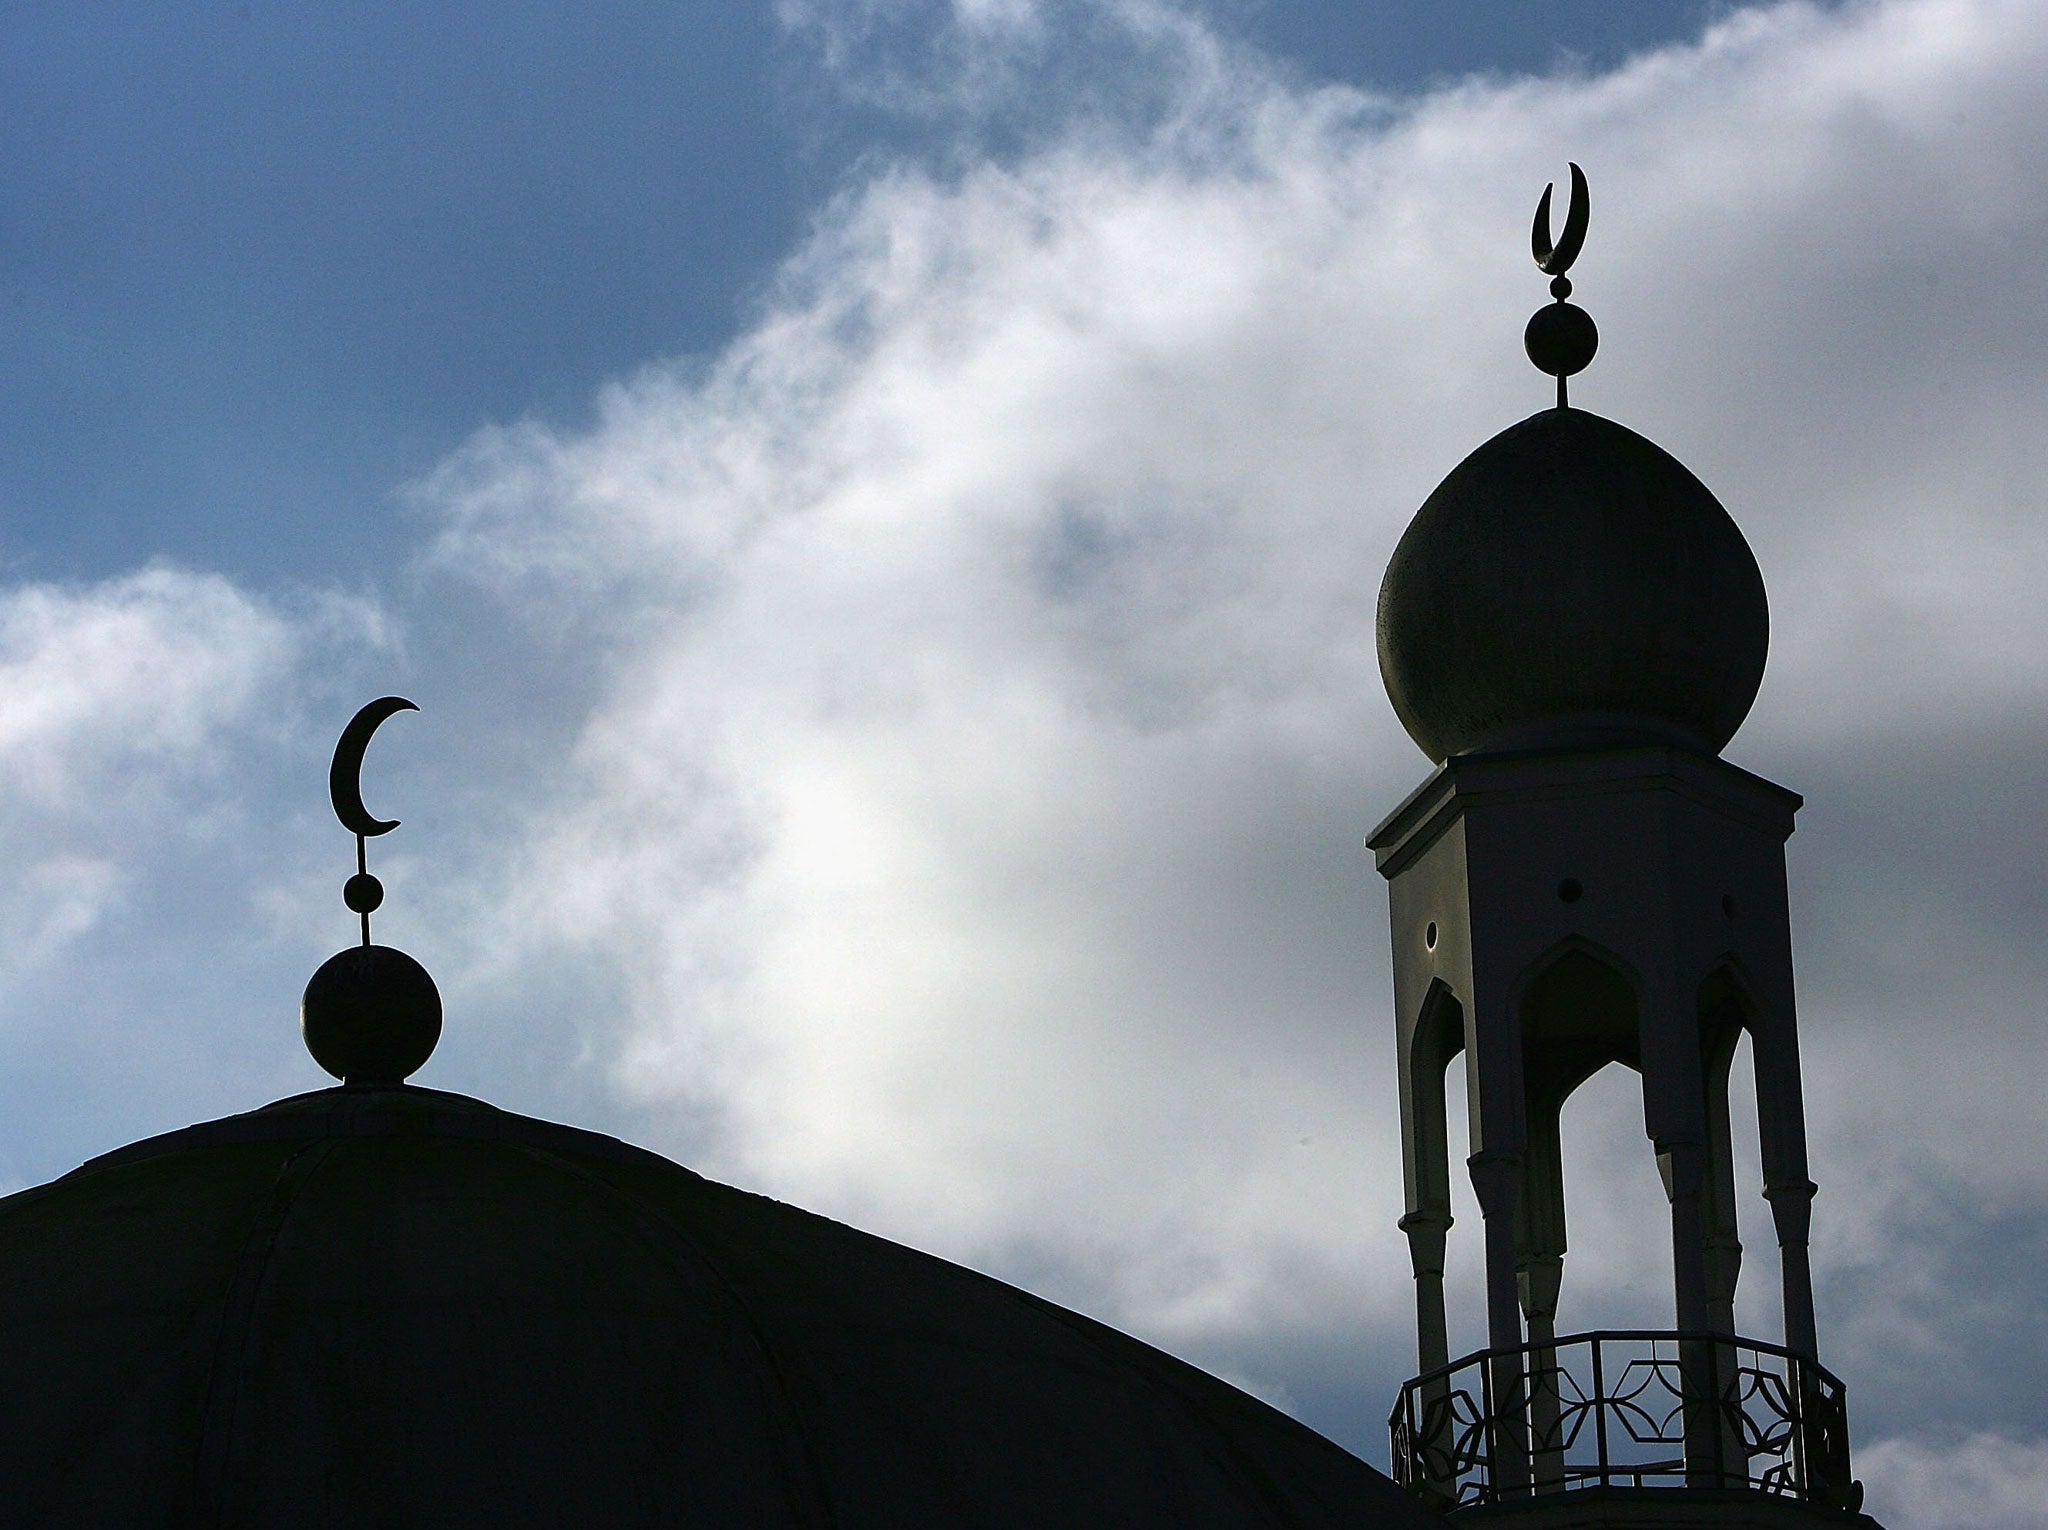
x=1624, y=1408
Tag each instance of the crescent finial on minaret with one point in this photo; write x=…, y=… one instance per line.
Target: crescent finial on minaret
x=1561, y=338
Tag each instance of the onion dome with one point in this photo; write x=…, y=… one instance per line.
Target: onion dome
x=1571, y=584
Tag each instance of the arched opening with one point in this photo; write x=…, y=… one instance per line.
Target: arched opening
x=1579, y=1016
x=1465, y=1271
x=1759, y=1303
x=1438, y=1038
x=1621, y=1275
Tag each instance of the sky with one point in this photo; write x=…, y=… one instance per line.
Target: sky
x=880, y=504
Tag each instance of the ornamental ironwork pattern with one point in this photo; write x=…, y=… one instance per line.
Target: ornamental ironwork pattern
x=1624, y=1408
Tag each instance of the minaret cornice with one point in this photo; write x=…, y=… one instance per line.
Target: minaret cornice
x=1470, y=781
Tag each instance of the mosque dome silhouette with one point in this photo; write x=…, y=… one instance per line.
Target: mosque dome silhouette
x=379, y=1304
x=1571, y=584
x=372, y=1306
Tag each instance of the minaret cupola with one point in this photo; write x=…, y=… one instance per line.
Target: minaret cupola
x=1571, y=582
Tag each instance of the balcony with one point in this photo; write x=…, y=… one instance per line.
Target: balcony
x=1630, y=1410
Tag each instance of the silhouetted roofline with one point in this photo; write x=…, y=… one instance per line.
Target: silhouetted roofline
x=401, y=1110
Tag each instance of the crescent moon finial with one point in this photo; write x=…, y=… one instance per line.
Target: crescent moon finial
x=1555, y=260
x=345, y=775
x=362, y=892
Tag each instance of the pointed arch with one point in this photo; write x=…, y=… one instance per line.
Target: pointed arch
x=1438, y=1038
x=1580, y=1006
x=1730, y=1002
x=1440, y=1023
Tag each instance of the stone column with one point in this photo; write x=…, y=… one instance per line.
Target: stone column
x=1435, y=1427
x=1497, y=1181
x=1426, y=1232
x=1540, y=1276
x=1723, y=1237
x=1792, y=1211
x=1683, y=1166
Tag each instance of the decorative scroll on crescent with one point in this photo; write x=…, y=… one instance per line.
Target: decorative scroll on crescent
x=1555, y=260
x=345, y=776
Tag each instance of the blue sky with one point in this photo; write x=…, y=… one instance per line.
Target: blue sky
x=302, y=251
x=265, y=263
x=880, y=503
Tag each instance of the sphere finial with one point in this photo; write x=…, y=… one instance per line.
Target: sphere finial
x=1561, y=338
x=371, y=1015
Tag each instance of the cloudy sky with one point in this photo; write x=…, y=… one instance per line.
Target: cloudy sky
x=880, y=503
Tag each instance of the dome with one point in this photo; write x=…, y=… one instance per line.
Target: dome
x=395, y=1306
x=1571, y=584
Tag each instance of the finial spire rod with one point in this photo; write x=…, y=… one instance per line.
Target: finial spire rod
x=363, y=871
x=1561, y=339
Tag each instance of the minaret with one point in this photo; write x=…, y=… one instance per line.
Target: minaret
x=1572, y=627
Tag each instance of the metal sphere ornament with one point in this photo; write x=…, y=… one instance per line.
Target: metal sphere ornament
x=371, y=1015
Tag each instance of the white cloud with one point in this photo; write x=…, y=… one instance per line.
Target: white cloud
x=986, y=715
x=145, y=665
x=115, y=699
x=1983, y=1481
x=163, y=739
